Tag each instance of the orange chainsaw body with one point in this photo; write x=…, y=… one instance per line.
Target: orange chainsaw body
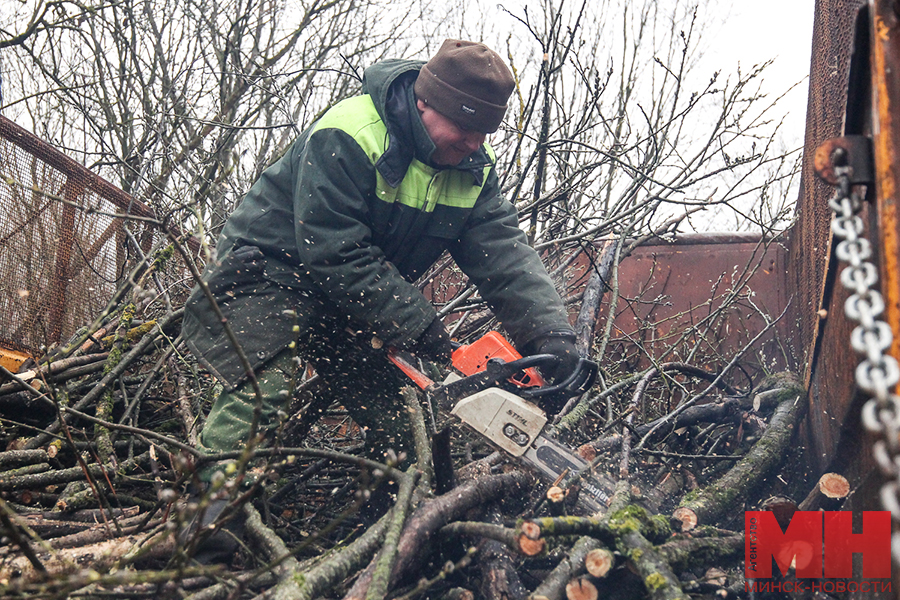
x=473, y=358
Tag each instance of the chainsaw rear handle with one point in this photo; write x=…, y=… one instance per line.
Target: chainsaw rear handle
x=576, y=384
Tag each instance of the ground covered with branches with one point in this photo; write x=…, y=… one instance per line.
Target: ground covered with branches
x=99, y=465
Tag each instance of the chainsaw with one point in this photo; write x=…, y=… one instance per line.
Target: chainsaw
x=494, y=391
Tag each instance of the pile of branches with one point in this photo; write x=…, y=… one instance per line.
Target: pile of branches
x=99, y=488
x=101, y=460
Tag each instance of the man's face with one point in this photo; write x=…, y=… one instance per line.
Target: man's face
x=452, y=143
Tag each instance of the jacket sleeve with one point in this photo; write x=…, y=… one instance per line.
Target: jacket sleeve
x=335, y=180
x=494, y=252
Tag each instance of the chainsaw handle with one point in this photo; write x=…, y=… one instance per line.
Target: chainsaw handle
x=576, y=384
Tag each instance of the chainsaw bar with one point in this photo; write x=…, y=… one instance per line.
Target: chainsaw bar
x=556, y=461
x=516, y=426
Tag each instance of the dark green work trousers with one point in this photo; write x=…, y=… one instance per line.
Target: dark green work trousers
x=353, y=374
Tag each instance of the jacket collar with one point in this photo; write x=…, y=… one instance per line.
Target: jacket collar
x=390, y=84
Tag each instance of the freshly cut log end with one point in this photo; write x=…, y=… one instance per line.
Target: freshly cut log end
x=687, y=517
x=531, y=530
x=556, y=501
x=599, y=562
x=834, y=485
x=556, y=495
x=530, y=547
x=581, y=589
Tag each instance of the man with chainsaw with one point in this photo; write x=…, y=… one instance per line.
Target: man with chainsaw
x=319, y=259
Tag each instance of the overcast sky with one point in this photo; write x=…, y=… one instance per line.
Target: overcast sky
x=753, y=32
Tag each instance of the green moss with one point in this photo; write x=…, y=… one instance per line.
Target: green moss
x=627, y=519
x=299, y=579
x=690, y=497
x=654, y=581
x=114, y=358
x=162, y=257
x=634, y=518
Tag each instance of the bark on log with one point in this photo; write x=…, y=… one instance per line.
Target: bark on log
x=388, y=556
x=284, y=563
x=499, y=578
x=513, y=539
x=444, y=474
x=718, y=499
x=714, y=412
x=436, y=513
x=659, y=580
x=71, y=474
x=22, y=457
x=100, y=556
x=654, y=527
x=100, y=532
x=554, y=585
x=586, y=322
x=321, y=578
x=92, y=516
x=57, y=371
x=685, y=553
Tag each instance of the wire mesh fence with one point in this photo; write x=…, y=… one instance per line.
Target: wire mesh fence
x=63, y=246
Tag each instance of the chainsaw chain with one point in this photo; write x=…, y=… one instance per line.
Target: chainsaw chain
x=878, y=372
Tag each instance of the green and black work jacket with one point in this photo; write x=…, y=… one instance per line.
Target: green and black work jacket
x=348, y=218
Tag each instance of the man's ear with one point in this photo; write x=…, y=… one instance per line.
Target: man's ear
x=420, y=105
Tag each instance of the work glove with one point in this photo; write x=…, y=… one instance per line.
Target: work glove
x=434, y=343
x=562, y=346
x=252, y=257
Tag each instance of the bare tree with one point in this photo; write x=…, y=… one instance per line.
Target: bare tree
x=184, y=103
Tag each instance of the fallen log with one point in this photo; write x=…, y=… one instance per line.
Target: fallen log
x=101, y=557
x=22, y=457
x=499, y=578
x=39, y=480
x=554, y=585
x=659, y=580
x=713, y=502
x=607, y=529
x=513, y=539
x=321, y=578
x=681, y=554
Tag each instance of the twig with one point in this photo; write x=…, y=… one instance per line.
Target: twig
x=381, y=576
x=687, y=404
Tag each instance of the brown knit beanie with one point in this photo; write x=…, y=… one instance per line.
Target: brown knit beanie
x=468, y=83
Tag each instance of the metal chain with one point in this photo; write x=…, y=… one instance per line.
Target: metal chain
x=877, y=373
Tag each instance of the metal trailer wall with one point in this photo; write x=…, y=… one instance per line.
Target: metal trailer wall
x=841, y=103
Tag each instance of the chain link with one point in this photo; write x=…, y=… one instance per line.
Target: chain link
x=877, y=373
